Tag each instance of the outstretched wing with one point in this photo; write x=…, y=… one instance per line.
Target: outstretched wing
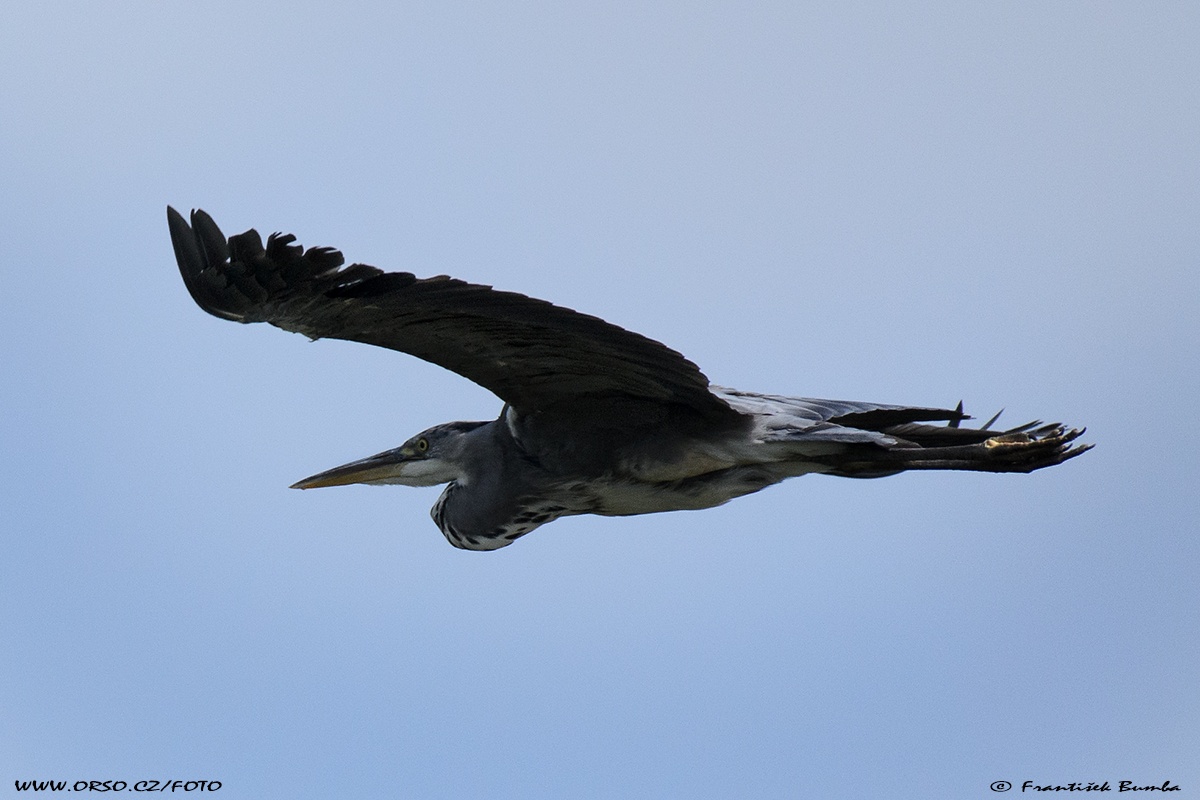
x=532, y=354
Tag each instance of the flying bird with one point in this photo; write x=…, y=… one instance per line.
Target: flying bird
x=596, y=419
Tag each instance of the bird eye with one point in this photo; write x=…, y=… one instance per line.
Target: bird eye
x=422, y=445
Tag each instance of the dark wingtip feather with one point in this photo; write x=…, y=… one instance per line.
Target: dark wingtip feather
x=202, y=253
x=193, y=253
x=212, y=241
x=187, y=250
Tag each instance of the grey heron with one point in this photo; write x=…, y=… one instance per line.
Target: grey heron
x=596, y=419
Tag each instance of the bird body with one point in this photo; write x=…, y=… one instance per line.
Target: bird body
x=597, y=419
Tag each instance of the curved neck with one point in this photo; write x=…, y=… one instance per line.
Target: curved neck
x=496, y=482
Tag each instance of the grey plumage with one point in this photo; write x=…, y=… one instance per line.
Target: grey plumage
x=596, y=419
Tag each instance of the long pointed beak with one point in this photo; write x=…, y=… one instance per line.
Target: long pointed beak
x=380, y=468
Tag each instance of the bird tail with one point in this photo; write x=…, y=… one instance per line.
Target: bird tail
x=918, y=445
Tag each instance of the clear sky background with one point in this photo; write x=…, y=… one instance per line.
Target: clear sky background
x=910, y=204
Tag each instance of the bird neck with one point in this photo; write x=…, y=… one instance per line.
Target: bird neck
x=489, y=488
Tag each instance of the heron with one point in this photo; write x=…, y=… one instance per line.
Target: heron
x=596, y=419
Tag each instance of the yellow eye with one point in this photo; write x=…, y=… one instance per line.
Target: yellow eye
x=422, y=445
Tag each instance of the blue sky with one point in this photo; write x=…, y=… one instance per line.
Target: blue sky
x=915, y=205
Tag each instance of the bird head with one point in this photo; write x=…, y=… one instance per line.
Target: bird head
x=431, y=457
